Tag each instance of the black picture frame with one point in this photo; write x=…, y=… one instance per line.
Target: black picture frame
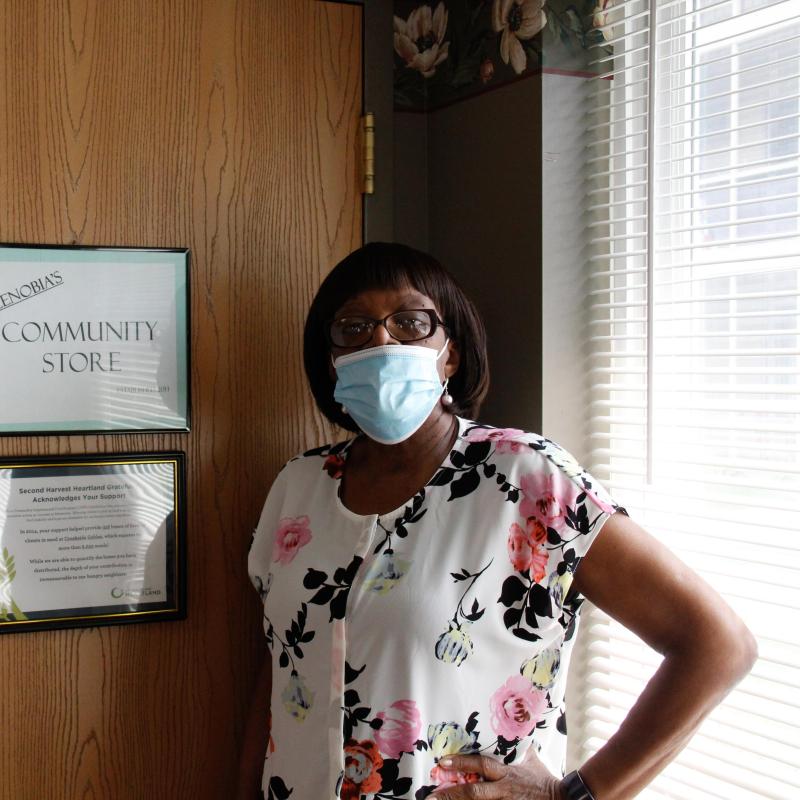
x=137, y=603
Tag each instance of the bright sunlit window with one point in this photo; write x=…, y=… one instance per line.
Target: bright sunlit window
x=695, y=355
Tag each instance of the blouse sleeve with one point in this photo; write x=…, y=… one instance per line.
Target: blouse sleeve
x=564, y=509
x=259, y=559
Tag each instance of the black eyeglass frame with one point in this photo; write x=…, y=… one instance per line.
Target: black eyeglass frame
x=436, y=323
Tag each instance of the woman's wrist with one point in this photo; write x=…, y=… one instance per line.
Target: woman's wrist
x=573, y=787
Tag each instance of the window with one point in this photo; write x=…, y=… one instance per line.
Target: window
x=695, y=355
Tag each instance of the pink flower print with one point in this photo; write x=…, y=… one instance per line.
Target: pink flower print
x=292, y=534
x=519, y=548
x=546, y=498
x=526, y=549
x=516, y=707
x=504, y=438
x=400, y=730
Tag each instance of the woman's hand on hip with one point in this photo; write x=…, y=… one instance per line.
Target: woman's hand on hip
x=528, y=780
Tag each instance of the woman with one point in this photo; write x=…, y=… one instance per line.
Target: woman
x=422, y=581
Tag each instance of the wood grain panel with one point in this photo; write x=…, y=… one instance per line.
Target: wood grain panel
x=230, y=128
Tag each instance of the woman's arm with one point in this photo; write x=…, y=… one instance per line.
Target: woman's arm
x=707, y=649
x=256, y=736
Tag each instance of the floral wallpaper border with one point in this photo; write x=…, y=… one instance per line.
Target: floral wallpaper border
x=454, y=49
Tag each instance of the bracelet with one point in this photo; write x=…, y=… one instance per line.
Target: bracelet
x=575, y=788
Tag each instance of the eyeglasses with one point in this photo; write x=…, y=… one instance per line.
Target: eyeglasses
x=405, y=326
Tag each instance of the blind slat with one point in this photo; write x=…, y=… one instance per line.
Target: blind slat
x=693, y=337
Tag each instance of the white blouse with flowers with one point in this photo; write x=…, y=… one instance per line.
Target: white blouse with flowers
x=442, y=627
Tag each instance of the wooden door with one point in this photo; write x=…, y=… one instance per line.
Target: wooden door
x=229, y=127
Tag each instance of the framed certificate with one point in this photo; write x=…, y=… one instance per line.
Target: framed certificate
x=93, y=339
x=91, y=540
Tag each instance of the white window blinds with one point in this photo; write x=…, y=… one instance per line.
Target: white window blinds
x=694, y=332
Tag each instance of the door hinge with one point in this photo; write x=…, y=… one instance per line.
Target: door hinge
x=368, y=129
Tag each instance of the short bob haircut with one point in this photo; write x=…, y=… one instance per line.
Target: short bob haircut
x=381, y=265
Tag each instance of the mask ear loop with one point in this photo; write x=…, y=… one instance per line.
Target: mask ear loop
x=447, y=398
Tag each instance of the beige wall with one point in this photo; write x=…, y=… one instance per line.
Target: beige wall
x=231, y=128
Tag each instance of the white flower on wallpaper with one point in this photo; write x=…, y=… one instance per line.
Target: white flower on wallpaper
x=419, y=40
x=518, y=20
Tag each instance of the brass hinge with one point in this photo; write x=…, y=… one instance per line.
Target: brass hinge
x=368, y=127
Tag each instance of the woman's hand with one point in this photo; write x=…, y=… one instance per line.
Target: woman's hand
x=528, y=780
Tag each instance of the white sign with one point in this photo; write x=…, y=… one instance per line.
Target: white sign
x=85, y=540
x=93, y=339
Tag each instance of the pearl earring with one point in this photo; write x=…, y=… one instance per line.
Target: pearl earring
x=447, y=398
x=344, y=409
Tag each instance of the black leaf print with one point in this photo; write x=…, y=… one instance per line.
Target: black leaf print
x=362, y=713
x=476, y=453
x=489, y=470
x=351, y=697
x=278, y=789
x=314, y=578
x=293, y=636
x=323, y=596
x=418, y=517
x=442, y=477
x=540, y=601
x=528, y=636
x=340, y=575
x=457, y=459
x=339, y=605
x=423, y=792
x=512, y=617
x=464, y=485
x=553, y=537
x=389, y=774
x=334, y=593
x=561, y=723
x=513, y=496
x=530, y=617
x=512, y=592
x=350, y=572
x=401, y=786
x=472, y=722
x=350, y=673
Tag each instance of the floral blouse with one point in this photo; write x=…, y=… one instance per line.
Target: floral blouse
x=442, y=627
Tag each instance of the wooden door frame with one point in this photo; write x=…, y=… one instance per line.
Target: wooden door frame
x=378, y=97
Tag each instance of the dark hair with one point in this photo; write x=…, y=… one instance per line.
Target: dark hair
x=381, y=265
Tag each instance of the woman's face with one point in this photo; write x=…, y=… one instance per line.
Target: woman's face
x=380, y=303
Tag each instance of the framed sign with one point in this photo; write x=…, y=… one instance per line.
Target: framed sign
x=93, y=339
x=91, y=540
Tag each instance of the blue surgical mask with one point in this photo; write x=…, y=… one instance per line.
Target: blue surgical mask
x=389, y=390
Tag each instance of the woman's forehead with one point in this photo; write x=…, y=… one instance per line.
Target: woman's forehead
x=385, y=301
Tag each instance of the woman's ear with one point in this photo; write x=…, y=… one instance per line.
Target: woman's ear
x=453, y=359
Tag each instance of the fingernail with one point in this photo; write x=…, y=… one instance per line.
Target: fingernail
x=446, y=762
